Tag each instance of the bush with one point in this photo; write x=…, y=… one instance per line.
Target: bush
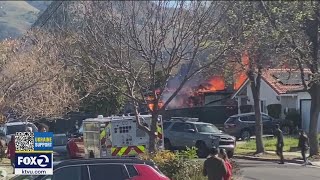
x=294, y=117
x=179, y=165
x=274, y=110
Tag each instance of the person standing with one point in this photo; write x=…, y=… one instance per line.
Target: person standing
x=280, y=143
x=303, y=145
x=11, y=151
x=214, y=167
x=43, y=128
x=224, y=156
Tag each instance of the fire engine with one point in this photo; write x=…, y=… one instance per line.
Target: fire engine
x=113, y=136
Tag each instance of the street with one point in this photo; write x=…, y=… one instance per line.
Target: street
x=259, y=170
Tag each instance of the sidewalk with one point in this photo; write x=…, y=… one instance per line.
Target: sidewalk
x=291, y=157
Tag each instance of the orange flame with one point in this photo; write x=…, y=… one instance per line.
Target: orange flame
x=241, y=76
x=215, y=83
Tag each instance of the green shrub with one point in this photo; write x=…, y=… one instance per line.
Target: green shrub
x=179, y=165
x=274, y=110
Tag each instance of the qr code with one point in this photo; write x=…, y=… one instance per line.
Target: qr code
x=24, y=141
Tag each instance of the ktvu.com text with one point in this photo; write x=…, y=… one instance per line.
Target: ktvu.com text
x=37, y=159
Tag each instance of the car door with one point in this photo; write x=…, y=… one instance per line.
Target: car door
x=72, y=172
x=176, y=135
x=189, y=135
x=108, y=172
x=267, y=124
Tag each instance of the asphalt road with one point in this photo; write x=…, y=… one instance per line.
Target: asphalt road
x=259, y=170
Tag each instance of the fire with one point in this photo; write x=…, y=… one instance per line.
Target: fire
x=241, y=76
x=215, y=83
x=150, y=103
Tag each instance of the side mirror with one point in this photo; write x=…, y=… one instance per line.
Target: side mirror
x=191, y=130
x=2, y=134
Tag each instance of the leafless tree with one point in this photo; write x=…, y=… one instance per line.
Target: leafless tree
x=144, y=44
x=34, y=79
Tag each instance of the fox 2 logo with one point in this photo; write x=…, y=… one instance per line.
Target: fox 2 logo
x=33, y=160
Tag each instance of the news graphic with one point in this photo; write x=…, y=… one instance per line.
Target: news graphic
x=34, y=153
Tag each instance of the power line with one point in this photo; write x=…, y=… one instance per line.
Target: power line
x=51, y=14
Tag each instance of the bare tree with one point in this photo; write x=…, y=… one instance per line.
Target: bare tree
x=144, y=44
x=34, y=79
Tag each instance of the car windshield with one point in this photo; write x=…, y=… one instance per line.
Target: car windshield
x=207, y=128
x=12, y=129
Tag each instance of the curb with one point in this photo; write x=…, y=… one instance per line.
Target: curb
x=267, y=159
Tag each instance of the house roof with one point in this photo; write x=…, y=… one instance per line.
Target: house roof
x=282, y=81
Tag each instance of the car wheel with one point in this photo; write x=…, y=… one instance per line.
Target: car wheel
x=245, y=135
x=167, y=144
x=230, y=154
x=202, y=149
x=285, y=130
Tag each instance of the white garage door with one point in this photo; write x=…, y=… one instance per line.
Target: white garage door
x=305, y=115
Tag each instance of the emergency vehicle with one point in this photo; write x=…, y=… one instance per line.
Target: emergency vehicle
x=115, y=136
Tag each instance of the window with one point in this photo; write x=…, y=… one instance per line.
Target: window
x=179, y=127
x=132, y=171
x=248, y=118
x=166, y=125
x=266, y=118
x=207, y=128
x=232, y=120
x=68, y=173
x=20, y=128
x=108, y=172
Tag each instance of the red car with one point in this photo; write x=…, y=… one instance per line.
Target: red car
x=147, y=172
x=104, y=169
x=75, y=146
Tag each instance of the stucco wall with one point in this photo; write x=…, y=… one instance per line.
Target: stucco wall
x=267, y=94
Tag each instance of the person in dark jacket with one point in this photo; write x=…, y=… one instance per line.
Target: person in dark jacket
x=303, y=145
x=11, y=151
x=278, y=133
x=214, y=167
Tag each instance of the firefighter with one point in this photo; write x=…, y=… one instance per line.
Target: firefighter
x=105, y=137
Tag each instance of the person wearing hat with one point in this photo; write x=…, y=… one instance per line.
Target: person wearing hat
x=303, y=145
x=278, y=133
x=214, y=167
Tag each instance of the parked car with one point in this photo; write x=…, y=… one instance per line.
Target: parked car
x=102, y=169
x=75, y=146
x=184, y=132
x=243, y=125
x=10, y=128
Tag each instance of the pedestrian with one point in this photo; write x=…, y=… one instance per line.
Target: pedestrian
x=303, y=145
x=28, y=129
x=280, y=143
x=43, y=128
x=224, y=156
x=214, y=167
x=11, y=151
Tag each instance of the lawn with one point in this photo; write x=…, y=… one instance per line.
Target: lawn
x=269, y=144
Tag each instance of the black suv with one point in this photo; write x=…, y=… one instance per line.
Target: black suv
x=243, y=125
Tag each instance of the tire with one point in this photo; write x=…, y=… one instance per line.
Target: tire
x=230, y=154
x=167, y=144
x=245, y=135
x=285, y=130
x=202, y=149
